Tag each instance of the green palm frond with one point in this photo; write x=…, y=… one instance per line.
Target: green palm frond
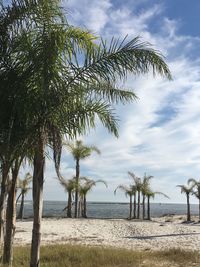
x=193, y=182
x=23, y=184
x=69, y=185
x=128, y=190
x=146, y=183
x=150, y=193
x=137, y=181
x=79, y=150
x=80, y=38
x=88, y=184
x=186, y=189
x=195, y=185
x=162, y=194
x=110, y=92
x=115, y=61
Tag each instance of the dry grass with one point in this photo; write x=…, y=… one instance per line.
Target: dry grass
x=82, y=256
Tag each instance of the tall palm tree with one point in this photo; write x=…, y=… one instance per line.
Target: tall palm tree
x=144, y=190
x=79, y=152
x=151, y=194
x=196, y=190
x=65, y=81
x=138, y=185
x=23, y=185
x=84, y=189
x=10, y=19
x=129, y=191
x=188, y=190
x=69, y=186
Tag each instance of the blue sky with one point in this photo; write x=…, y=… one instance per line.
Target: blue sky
x=160, y=133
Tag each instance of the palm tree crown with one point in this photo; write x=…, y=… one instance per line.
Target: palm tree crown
x=84, y=187
x=23, y=184
x=187, y=189
x=79, y=150
x=196, y=190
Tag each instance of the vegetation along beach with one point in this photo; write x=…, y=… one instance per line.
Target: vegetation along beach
x=99, y=133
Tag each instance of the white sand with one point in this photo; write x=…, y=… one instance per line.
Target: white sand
x=142, y=235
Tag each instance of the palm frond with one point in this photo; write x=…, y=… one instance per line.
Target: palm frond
x=113, y=62
x=186, y=189
x=162, y=194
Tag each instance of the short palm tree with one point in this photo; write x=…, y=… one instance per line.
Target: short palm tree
x=188, y=190
x=144, y=190
x=138, y=185
x=84, y=189
x=196, y=190
x=69, y=186
x=23, y=185
x=79, y=152
x=129, y=191
x=151, y=194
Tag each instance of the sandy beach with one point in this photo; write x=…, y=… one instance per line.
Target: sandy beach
x=159, y=234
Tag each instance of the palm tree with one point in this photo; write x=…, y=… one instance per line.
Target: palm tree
x=79, y=152
x=23, y=185
x=84, y=189
x=144, y=190
x=188, y=190
x=129, y=191
x=196, y=185
x=151, y=194
x=59, y=94
x=138, y=185
x=69, y=186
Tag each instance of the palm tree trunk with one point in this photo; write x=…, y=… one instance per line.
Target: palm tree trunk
x=77, y=182
x=10, y=218
x=21, y=210
x=130, y=214
x=199, y=209
x=18, y=198
x=138, y=210
x=143, y=206
x=69, y=205
x=81, y=207
x=38, y=180
x=5, y=170
x=85, y=206
x=188, y=207
x=134, y=206
x=148, y=208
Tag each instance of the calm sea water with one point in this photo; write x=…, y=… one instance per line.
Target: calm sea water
x=108, y=210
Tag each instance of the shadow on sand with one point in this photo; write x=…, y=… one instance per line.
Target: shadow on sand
x=157, y=236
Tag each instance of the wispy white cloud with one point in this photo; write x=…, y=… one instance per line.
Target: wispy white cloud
x=93, y=14
x=159, y=134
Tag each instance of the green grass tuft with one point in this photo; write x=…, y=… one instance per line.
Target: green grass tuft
x=85, y=256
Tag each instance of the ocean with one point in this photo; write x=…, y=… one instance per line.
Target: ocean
x=108, y=210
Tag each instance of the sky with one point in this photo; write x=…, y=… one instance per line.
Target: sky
x=160, y=132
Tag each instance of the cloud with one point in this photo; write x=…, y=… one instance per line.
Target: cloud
x=93, y=15
x=159, y=134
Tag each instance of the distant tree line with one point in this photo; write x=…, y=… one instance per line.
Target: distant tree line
x=140, y=187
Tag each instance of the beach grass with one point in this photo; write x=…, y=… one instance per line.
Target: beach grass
x=85, y=256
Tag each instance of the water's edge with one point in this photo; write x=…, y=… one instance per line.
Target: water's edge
x=108, y=210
